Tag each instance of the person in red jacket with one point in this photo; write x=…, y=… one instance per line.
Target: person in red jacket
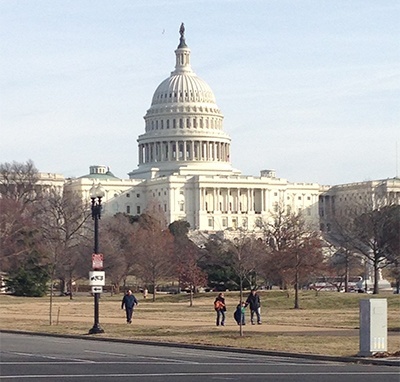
x=220, y=308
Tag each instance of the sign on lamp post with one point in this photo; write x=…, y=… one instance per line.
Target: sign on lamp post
x=97, y=261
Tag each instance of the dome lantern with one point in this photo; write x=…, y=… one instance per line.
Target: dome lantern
x=182, y=55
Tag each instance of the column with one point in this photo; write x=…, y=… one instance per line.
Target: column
x=262, y=200
x=214, y=200
x=162, y=151
x=140, y=153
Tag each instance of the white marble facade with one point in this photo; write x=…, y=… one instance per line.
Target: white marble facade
x=184, y=166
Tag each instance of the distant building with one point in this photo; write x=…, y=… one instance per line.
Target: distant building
x=112, y=185
x=184, y=164
x=357, y=197
x=184, y=168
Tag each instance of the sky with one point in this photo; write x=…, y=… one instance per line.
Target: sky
x=309, y=88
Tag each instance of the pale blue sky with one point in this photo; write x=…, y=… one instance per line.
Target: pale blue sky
x=308, y=88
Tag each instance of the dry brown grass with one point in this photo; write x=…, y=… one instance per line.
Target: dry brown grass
x=326, y=324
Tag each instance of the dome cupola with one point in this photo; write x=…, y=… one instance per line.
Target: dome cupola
x=183, y=126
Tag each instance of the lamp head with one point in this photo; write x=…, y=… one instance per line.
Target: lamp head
x=100, y=191
x=96, y=191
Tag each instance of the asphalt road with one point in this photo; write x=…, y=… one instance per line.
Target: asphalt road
x=41, y=358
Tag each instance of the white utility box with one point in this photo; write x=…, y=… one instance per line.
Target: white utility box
x=373, y=326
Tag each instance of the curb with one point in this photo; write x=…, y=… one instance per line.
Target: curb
x=319, y=357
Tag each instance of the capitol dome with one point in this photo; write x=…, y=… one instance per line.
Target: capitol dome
x=183, y=126
x=182, y=87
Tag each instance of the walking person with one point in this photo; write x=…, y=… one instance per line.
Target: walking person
x=220, y=308
x=129, y=302
x=255, y=306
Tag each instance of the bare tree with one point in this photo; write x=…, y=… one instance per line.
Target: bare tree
x=62, y=222
x=154, y=245
x=245, y=250
x=186, y=258
x=190, y=274
x=18, y=194
x=19, y=181
x=296, y=253
x=17, y=232
x=118, y=245
x=370, y=232
x=341, y=266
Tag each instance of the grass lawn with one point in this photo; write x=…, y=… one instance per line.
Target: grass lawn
x=326, y=323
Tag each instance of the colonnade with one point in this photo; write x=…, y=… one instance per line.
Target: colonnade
x=257, y=200
x=184, y=123
x=189, y=150
x=234, y=200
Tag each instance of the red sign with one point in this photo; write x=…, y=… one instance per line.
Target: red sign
x=97, y=261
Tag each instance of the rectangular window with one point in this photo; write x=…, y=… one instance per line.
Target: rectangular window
x=210, y=222
x=128, y=195
x=138, y=210
x=138, y=195
x=128, y=209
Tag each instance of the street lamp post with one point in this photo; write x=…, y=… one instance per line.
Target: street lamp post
x=96, y=193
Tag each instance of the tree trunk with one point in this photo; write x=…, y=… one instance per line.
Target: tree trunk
x=191, y=296
x=241, y=299
x=51, y=301
x=296, y=290
x=63, y=288
x=346, y=276
x=376, y=278
x=154, y=291
x=70, y=287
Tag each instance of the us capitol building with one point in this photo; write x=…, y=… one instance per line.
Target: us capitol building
x=184, y=167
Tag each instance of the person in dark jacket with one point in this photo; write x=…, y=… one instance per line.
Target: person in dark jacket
x=255, y=306
x=240, y=312
x=129, y=302
x=220, y=308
